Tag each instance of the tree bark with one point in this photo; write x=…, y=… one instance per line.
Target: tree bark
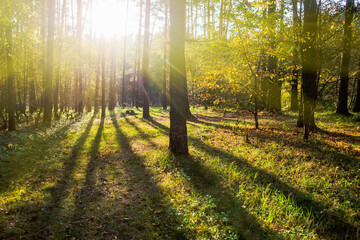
x=178, y=130
x=342, y=107
x=11, y=98
x=103, y=80
x=275, y=84
x=164, y=91
x=295, y=73
x=145, y=66
x=310, y=62
x=357, y=101
x=50, y=64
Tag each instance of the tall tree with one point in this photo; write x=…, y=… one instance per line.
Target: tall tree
x=10, y=78
x=50, y=63
x=178, y=94
x=145, y=63
x=79, y=28
x=112, y=88
x=164, y=91
x=342, y=107
x=123, y=97
x=275, y=84
x=309, y=62
x=295, y=73
x=357, y=101
x=103, y=80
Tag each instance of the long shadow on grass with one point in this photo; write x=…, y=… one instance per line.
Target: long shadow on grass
x=328, y=153
x=206, y=183
x=147, y=212
x=329, y=221
x=44, y=219
x=28, y=155
x=89, y=192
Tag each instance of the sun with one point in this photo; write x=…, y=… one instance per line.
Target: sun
x=109, y=18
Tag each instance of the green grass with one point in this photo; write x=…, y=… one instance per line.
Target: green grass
x=113, y=178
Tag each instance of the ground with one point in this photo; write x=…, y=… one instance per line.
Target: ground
x=113, y=178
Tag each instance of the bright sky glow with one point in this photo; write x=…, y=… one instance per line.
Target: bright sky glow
x=109, y=18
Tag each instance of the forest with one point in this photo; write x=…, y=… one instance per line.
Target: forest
x=179, y=119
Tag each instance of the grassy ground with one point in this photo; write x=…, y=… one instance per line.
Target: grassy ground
x=112, y=178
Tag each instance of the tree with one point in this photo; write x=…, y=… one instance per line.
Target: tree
x=164, y=88
x=295, y=73
x=145, y=63
x=178, y=130
x=309, y=62
x=342, y=107
x=357, y=101
x=103, y=80
x=50, y=63
x=10, y=78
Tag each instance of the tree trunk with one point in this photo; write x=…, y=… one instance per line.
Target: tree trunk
x=50, y=64
x=112, y=87
x=357, y=101
x=97, y=83
x=309, y=60
x=342, y=107
x=178, y=130
x=10, y=80
x=79, y=94
x=275, y=84
x=103, y=81
x=295, y=73
x=123, y=96
x=145, y=66
x=164, y=92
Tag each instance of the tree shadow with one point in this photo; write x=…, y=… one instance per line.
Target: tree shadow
x=144, y=209
x=89, y=192
x=206, y=183
x=40, y=219
x=32, y=148
x=329, y=221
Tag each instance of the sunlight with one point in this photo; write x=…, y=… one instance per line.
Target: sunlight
x=109, y=18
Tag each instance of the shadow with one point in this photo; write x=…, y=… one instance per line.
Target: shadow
x=354, y=139
x=89, y=192
x=27, y=158
x=205, y=182
x=44, y=217
x=140, y=212
x=329, y=221
x=141, y=133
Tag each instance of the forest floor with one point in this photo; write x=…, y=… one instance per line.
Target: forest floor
x=113, y=178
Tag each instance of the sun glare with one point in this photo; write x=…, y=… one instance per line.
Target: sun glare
x=109, y=18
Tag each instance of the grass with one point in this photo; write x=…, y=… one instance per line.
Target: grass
x=113, y=178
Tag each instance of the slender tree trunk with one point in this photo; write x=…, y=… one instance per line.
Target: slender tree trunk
x=80, y=101
x=178, y=131
x=112, y=87
x=10, y=80
x=309, y=60
x=275, y=84
x=103, y=80
x=97, y=82
x=123, y=96
x=164, y=91
x=342, y=107
x=357, y=101
x=50, y=63
x=295, y=73
x=145, y=63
